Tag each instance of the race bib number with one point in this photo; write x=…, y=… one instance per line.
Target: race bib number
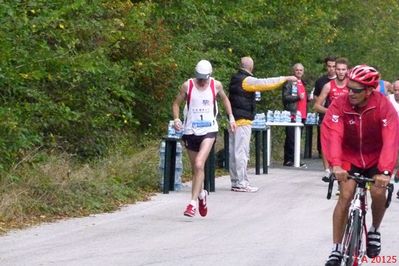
x=201, y=123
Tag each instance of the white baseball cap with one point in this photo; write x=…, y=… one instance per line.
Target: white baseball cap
x=203, y=70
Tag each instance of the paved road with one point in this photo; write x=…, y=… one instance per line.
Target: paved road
x=287, y=222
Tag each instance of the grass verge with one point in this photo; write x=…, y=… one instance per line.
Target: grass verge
x=57, y=187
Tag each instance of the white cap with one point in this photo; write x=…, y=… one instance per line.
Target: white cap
x=203, y=70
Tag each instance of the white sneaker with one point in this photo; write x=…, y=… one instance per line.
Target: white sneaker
x=245, y=189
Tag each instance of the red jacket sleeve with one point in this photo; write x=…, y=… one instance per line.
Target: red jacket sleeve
x=390, y=136
x=332, y=130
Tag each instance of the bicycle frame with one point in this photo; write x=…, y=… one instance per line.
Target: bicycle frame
x=355, y=234
x=354, y=241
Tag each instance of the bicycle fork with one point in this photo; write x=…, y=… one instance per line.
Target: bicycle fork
x=354, y=244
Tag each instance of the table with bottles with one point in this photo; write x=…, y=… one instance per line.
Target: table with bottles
x=284, y=119
x=312, y=120
x=280, y=118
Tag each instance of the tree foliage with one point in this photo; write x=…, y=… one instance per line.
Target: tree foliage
x=75, y=74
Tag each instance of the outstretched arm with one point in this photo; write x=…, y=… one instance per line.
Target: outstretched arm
x=253, y=84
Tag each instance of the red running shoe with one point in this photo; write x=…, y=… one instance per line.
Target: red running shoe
x=202, y=207
x=190, y=211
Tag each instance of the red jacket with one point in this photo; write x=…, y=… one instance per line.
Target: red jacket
x=364, y=138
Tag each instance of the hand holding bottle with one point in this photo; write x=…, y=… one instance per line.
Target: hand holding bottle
x=291, y=78
x=178, y=124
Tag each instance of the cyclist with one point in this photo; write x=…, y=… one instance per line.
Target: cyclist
x=360, y=134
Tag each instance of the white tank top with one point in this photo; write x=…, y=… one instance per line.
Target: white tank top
x=200, y=113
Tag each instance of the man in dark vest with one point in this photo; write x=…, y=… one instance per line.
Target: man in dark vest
x=242, y=88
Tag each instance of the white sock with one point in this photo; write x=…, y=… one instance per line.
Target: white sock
x=373, y=229
x=194, y=203
x=337, y=247
x=202, y=194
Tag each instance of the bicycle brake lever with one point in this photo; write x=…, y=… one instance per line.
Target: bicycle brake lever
x=330, y=186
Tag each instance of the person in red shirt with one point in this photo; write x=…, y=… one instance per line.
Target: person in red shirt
x=329, y=63
x=360, y=134
x=330, y=91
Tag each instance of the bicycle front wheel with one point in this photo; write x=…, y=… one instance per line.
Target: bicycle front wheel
x=352, y=239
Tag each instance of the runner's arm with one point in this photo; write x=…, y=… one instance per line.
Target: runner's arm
x=226, y=104
x=318, y=105
x=331, y=133
x=181, y=96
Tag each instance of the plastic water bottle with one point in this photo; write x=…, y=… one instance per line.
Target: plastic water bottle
x=254, y=122
x=310, y=119
x=161, y=165
x=171, y=129
x=286, y=116
x=277, y=116
x=259, y=121
x=314, y=115
x=294, y=89
x=298, y=117
x=269, y=116
x=282, y=116
x=262, y=117
x=178, y=165
x=179, y=133
x=257, y=96
x=262, y=120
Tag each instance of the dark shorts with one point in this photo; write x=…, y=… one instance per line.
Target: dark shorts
x=193, y=142
x=369, y=172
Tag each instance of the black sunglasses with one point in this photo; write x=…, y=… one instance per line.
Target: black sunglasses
x=356, y=90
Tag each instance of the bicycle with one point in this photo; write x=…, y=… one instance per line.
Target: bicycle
x=355, y=236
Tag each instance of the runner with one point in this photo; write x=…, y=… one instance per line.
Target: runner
x=200, y=127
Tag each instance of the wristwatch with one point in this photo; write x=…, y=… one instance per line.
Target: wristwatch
x=387, y=173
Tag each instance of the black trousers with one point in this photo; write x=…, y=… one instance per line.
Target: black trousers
x=289, y=144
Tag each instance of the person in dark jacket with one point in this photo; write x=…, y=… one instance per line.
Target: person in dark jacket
x=242, y=88
x=294, y=100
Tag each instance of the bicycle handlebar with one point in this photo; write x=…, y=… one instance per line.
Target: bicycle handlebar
x=360, y=179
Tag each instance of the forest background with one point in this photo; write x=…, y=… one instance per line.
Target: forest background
x=86, y=86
